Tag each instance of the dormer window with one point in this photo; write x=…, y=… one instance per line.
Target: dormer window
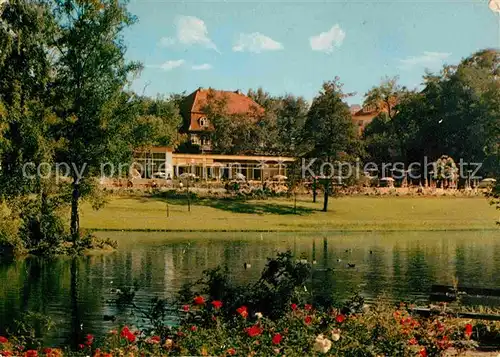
x=203, y=122
x=369, y=108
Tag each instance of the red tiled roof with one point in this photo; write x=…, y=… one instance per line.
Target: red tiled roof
x=236, y=103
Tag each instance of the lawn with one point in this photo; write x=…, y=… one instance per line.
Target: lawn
x=347, y=213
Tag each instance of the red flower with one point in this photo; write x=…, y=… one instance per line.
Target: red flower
x=242, y=311
x=90, y=339
x=199, y=300
x=31, y=353
x=308, y=307
x=440, y=326
x=422, y=352
x=156, y=339
x=217, y=304
x=231, y=351
x=444, y=343
x=180, y=333
x=6, y=353
x=308, y=320
x=277, y=339
x=3, y=339
x=294, y=307
x=185, y=308
x=254, y=331
x=340, y=318
x=128, y=335
x=413, y=341
x=194, y=328
x=468, y=330
x=125, y=331
x=81, y=346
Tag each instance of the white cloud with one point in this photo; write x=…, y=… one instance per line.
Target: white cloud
x=170, y=65
x=190, y=30
x=327, y=41
x=201, y=67
x=256, y=42
x=428, y=59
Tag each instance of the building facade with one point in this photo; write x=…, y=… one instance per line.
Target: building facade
x=162, y=162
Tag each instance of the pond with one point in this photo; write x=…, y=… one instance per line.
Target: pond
x=399, y=266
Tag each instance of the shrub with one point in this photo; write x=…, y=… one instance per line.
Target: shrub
x=10, y=242
x=282, y=280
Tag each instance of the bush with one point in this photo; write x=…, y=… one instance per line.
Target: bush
x=282, y=280
x=10, y=242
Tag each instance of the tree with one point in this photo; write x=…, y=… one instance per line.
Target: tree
x=92, y=73
x=158, y=121
x=386, y=99
x=457, y=114
x=232, y=133
x=291, y=118
x=330, y=133
x=27, y=120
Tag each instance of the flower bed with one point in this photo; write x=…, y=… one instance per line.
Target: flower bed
x=302, y=331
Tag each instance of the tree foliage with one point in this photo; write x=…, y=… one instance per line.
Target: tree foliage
x=63, y=77
x=456, y=114
x=330, y=134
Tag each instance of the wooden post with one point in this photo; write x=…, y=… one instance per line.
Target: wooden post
x=314, y=190
x=189, y=199
x=168, y=210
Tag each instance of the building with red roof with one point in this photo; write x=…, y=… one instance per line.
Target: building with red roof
x=193, y=110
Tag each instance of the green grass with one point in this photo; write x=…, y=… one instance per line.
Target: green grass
x=345, y=214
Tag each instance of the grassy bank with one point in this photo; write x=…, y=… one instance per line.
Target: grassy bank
x=347, y=213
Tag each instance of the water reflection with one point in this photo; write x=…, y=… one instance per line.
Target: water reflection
x=76, y=293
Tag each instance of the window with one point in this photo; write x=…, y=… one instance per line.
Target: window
x=205, y=140
x=195, y=140
x=203, y=122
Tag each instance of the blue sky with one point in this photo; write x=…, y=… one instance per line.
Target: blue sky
x=293, y=46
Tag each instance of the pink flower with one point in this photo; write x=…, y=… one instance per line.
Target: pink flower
x=308, y=307
x=413, y=341
x=277, y=339
x=89, y=339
